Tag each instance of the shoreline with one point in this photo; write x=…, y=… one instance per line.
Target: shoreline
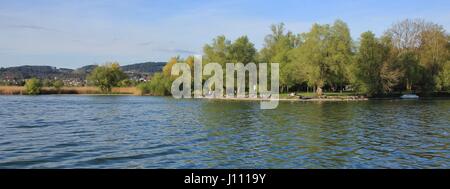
x=246, y=99
x=133, y=91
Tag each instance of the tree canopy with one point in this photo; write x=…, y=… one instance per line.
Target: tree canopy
x=107, y=76
x=410, y=55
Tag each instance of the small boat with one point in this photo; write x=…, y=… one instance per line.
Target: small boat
x=409, y=96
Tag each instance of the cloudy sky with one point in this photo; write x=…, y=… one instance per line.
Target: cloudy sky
x=75, y=33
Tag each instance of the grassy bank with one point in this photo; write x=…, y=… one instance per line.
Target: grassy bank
x=18, y=90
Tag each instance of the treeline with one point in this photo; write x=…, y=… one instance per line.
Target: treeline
x=412, y=56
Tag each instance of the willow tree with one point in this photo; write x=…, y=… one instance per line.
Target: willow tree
x=340, y=54
x=313, y=56
x=277, y=49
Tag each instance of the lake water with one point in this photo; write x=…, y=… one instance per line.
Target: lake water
x=158, y=132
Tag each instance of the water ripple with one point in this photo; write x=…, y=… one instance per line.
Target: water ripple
x=150, y=132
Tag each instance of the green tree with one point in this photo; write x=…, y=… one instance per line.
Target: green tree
x=277, y=48
x=443, y=82
x=217, y=51
x=107, y=76
x=167, y=69
x=374, y=70
x=340, y=54
x=434, y=54
x=369, y=61
x=33, y=86
x=46, y=83
x=421, y=53
x=313, y=56
x=241, y=51
x=58, y=84
x=278, y=44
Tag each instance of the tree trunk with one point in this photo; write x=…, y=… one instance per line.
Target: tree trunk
x=319, y=91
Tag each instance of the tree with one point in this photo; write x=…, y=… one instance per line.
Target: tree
x=58, y=84
x=313, y=56
x=434, y=54
x=375, y=71
x=421, y=52
x=277, y=48
x=33, y=86
x=325, y=54
x=107, y=76
x=369, y=61
x=46, y=83
x=340, y=54
x=167, y=69
x=217, y=51
x=241, y=51
x=443, y=83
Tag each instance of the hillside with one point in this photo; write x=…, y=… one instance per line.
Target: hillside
x=16, y=75
x=146, y=67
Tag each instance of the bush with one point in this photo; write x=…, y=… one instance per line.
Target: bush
x=127, y=83
x=58, y=84
x=33, y=86
x=159, y=85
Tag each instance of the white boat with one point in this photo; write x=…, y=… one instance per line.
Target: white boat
x=409, y=96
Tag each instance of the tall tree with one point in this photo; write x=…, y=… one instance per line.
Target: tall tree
x=434, y=54
x=369, y=62
x=217, y=51
x=278, y=44
x=277, y=48
x=241, y=51
x=340, y=50
x=167, y=69
x=375, y=72
x=420, y=50
x=313, y=56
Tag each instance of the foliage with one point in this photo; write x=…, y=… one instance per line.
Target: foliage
x=127, y=83
x=371, y=66
x=58, y=84
x=159, y=85
x=411, y=55
x=222, y=51
x=107, y=76
x=33, y=86
x=421, y=50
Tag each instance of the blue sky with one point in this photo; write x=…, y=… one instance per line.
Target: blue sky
x=74, y=33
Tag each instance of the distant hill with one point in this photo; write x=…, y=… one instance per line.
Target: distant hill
x=146, y=67
x=26, y=72
x=86, y=69
x=21, y=73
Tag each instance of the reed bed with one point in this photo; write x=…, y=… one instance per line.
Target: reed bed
x=19, y=90
x=126, y=90
x=12, y=90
